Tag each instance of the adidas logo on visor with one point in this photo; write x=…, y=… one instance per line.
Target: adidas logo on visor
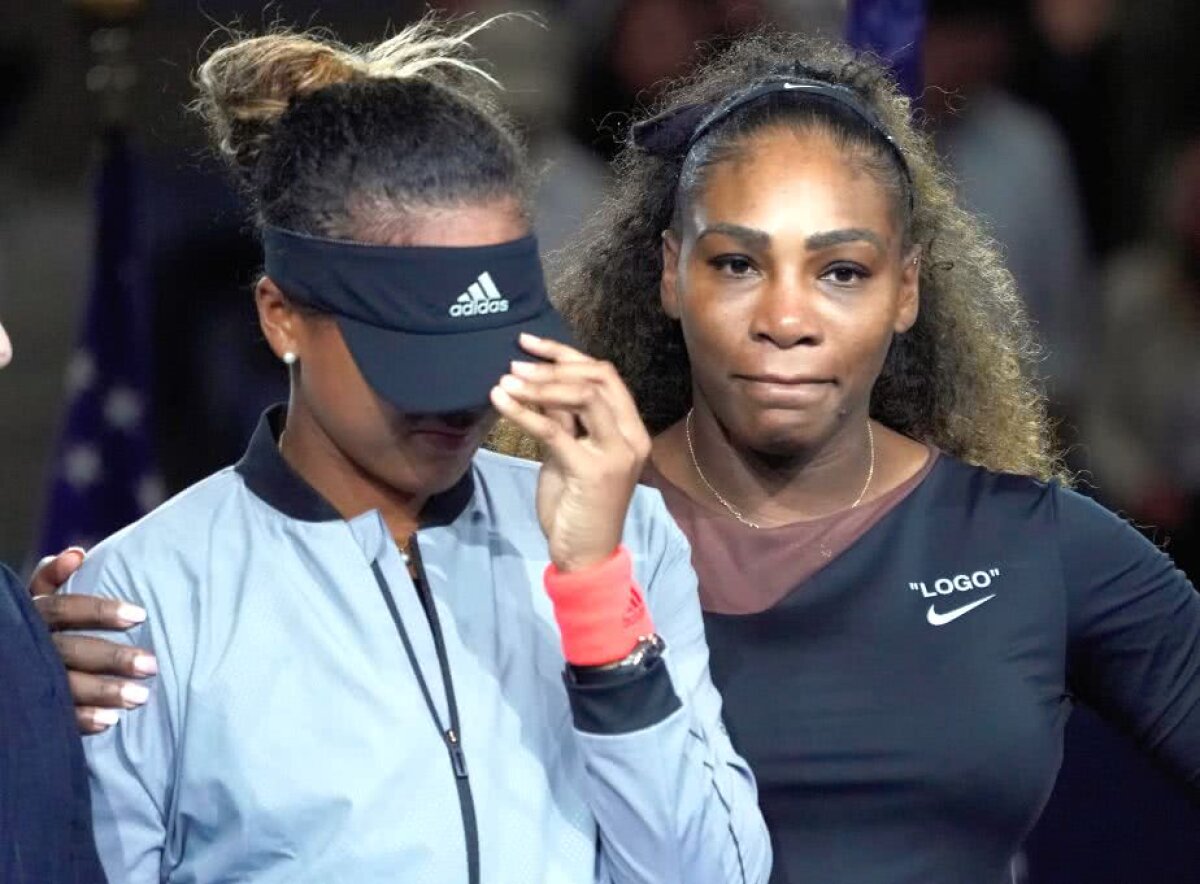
x=481, y=297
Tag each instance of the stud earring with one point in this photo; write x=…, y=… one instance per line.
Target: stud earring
x=289, y=358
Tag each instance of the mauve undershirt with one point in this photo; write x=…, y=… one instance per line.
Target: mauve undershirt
x=725, y=552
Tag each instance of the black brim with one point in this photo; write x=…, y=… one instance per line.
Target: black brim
x=438, y=374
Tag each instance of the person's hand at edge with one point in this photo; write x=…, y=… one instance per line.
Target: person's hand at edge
x=98, y=671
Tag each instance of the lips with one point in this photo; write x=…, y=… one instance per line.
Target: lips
x=784, y=380
x=442, y=435
x=785, y=391
x=442, y=430
x=447, y=442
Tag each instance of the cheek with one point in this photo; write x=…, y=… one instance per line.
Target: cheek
x=864, y=346
x=713, y=328
x=337, y=393
x=862, y=334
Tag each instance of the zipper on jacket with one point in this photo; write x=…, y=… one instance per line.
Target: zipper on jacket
x=451, y=735
x=457, y=756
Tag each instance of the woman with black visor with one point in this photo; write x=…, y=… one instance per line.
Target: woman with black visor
x=365, y=553
x=903, y=599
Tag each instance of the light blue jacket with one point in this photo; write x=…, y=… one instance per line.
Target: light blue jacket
x=288, y=738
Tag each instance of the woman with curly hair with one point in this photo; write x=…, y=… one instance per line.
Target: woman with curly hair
x=902, y=595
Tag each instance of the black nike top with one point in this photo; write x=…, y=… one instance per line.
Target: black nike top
x=903, y=709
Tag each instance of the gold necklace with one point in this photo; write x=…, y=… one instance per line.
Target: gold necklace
x=733, y=511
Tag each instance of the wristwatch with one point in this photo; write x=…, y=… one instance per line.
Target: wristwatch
x=648, y=649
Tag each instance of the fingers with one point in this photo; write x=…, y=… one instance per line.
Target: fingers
x=98, y=698
x=549, y=430
x=83, y=653
x=592, y=372
x=576, y=399
x=87, y=612
x=97, y=692
x=53, y=571
x=90, y=720
x=551, y=350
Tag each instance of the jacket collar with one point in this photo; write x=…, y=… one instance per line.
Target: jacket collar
x=272, y=479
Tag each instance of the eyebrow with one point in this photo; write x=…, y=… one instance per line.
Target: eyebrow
x=814, y=243
x=830, y=238
x=747, y=235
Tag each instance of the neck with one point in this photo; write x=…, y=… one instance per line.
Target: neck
x=351, y=490
x=771, y=489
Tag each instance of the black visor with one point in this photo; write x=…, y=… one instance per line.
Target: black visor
x=432, y=329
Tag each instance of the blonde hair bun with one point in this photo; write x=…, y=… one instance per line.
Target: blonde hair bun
x=246, y=85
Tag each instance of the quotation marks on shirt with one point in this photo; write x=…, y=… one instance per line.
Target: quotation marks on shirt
x=981, y=579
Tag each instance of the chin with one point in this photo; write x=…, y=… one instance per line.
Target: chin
x=780, y=432
x=441, y=473
x=415, y=471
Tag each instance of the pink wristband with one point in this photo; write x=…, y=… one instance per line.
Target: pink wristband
x=600, y=612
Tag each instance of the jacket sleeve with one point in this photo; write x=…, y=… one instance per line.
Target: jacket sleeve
x=672, y=799
x=129, y=765
x=1134, y=652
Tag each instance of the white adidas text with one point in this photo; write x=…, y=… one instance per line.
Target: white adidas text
x=481, y=297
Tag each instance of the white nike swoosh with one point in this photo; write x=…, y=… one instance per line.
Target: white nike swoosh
x=936, y=619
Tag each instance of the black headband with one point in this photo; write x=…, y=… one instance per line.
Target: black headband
x=675, y=132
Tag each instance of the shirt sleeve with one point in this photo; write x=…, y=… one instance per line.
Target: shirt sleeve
x=1134, y=634
x=130, y=764
x=673, y=800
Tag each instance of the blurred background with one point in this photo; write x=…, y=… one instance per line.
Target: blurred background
x=1072, y=126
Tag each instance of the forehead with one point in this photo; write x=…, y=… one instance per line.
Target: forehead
x=785, y=181
x=466, y=224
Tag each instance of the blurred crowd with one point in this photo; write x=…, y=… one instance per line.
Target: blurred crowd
x=1072, y=126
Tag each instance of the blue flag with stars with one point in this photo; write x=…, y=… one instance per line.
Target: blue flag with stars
x=103, y=474
x=893, y=30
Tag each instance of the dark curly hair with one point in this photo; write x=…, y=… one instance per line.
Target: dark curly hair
x=961, y=379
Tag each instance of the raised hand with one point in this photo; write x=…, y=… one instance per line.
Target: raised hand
x=91, y=662
x=596, y=447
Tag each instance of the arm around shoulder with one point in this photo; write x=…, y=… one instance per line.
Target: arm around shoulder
x=130, y=764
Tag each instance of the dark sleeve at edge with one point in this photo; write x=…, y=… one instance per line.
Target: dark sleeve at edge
x=1134, y=634
x=618, y=702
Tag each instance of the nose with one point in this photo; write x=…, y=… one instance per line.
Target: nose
x=785, y=317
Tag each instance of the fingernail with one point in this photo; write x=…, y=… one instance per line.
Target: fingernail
x=146, y=664
x=106, y=717
x=79, y=549
x=525, y=368
x=137, y=694
x=131, y=613
x=508, y=382
x=526, y=336
x=500, y=397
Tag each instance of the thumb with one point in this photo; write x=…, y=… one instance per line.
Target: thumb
x=52, y=572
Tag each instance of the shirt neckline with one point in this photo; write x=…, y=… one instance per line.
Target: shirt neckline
x=272, y=479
